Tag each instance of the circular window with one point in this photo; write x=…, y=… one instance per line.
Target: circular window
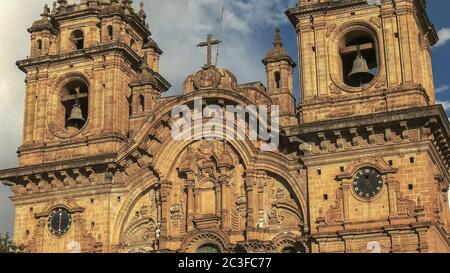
x=358, y=58
x=208, y=248
x=59, y=222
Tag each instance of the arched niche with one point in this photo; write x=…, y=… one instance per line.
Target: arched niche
x=208, y=180
x=141, y=228
x=282, y=207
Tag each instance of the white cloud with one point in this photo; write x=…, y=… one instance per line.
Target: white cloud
x=444, y=36
x=442, y=88
x=241, y=50
x=445, y=104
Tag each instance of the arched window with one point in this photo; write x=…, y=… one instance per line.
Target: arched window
x=130, y=106
x=359, y=60
x=74, y=104
x=78, y=39
x=208, y=248
x=141, y=103
x=110, y=33
x=132, y=43
x=289, y=249
x=39, y=45
x=277, y=79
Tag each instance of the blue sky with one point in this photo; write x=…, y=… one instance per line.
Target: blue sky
x=247, y=35
x=438, y=12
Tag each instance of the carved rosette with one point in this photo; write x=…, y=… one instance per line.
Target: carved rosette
x=207, y=78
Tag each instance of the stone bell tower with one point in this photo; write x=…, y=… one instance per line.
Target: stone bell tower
x=78, y=94
x=360, y=58
x=374, y=145
x=280, y=69
x=91, y=79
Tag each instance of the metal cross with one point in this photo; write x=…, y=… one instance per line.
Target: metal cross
x=209, y=43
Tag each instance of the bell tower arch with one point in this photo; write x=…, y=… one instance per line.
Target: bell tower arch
x=362, y=57
x=89, y=63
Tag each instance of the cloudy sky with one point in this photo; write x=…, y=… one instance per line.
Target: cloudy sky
x=177, y=26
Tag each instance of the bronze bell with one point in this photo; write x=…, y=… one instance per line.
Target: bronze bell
x=360, y=72
x=77, y=114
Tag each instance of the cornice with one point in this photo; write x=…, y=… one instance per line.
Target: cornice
x=332, y=7
x=81, y=54
x=57, y=166
x=378, y=118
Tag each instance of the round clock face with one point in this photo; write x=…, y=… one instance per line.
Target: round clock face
x=367, y=183
x=59, y=221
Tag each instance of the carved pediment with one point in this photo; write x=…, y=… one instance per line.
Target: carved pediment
x=378, y=163
x=210, y=78
x=69, y=204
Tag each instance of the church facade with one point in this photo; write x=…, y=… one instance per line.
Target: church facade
x=362, y=163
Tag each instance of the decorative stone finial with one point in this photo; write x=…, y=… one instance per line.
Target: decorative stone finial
x=62, y=8
x=277, y=43
x=127, y=3
x=54, y=9
x=277, y=52
x=46, y=12
x=141, y=13
x=62, y=3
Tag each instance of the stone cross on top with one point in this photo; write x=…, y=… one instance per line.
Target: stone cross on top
x=209, y=43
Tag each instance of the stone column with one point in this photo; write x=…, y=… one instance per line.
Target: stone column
x=134, y=103
x=392, y=195
x=189, y=184
x=320, y=43
x=164, y=192
x=218, y=191
x=251, y=200
x=224, y=205
x=260, y=201
x=40, y=229
x=346, y=187
x=422, y=239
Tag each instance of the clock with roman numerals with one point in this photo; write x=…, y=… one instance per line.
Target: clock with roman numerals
x=367, y=183
x=59, y=221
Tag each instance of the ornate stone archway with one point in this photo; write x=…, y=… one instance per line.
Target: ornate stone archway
x=202, y=185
